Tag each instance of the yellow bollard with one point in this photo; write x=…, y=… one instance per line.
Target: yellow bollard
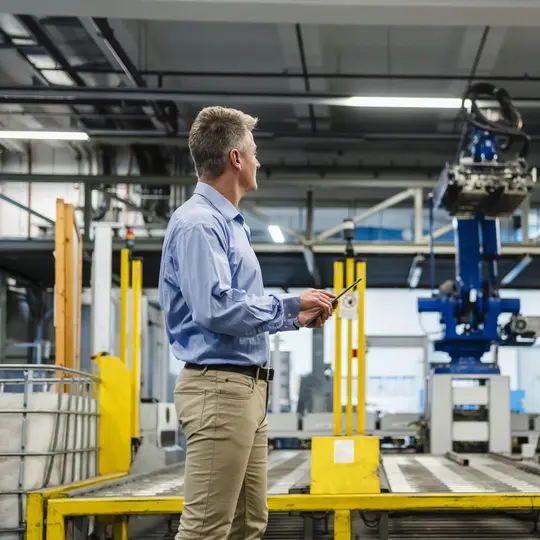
x=342, y=525
x=114, y=402
x=349, y=407
x=135, y=346
x=124, y=293
x=120, y=528
x=361, y=350
x=338, y=287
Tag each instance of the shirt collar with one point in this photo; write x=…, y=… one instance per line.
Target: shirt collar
x=218, y=200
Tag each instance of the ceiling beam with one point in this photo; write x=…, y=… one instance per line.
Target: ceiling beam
x=63, y=95
x=331, y=182
x=166, y=115
x=360, y=248
x=512, y=13
x=297, y=74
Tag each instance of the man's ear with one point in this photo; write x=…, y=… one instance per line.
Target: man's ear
x=234, y=156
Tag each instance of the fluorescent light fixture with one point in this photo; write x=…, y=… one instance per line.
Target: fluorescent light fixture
x=514, y=273
x=276, y=234
x=406, y=102
x=44, y=135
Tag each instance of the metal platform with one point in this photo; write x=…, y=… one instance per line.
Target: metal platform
x=472, y=496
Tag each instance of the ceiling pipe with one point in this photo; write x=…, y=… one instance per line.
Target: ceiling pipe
x=169, y=117
x=63, y=95
x=271, y=139
x=96, y=70
x=333, y=179
x=45, y=41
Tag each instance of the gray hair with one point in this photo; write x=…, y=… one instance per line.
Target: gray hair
x=214, y=133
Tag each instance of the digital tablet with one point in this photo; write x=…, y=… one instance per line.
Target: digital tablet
x=334, y=302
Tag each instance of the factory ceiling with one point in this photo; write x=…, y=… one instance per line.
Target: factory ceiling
x=133, y=75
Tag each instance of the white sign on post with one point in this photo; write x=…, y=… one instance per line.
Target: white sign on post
x=348, y=306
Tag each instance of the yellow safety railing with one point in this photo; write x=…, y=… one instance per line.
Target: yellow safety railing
x=338, y=288
x=36, y=501
x=58, y=510
x=361, y=350
x=131, y=278
x=345, y=274
x=136, y=294
x=124, y=302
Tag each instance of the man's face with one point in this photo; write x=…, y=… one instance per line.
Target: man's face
x=250, y=165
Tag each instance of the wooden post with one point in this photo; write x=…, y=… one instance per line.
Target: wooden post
x=68, y=287
x=60, y=284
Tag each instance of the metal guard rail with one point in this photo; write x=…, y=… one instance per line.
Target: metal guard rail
x=59, y=510
x=76, y=412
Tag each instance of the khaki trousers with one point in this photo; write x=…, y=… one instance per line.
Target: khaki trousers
x=223, y=416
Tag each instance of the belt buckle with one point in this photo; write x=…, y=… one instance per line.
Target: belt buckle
x=258, y=374
x=268, y=374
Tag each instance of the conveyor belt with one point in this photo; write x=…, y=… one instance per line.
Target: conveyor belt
x=285, y=469
x=288, y=471
x=441, y=526
x=434, y=474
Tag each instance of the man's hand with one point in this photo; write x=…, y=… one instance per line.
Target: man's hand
x=304, y=316
x=316, y=299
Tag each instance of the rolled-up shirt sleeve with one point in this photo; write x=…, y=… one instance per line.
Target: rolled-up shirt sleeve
x=205, y=281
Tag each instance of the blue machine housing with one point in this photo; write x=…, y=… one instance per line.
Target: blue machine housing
x=470, y=312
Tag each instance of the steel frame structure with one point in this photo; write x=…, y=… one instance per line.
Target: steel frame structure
x=37, y=500
x=58, y=94
x=59, y=510
x=330, y=248
x=161, y=74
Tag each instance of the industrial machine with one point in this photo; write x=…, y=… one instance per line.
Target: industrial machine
x=467, y=399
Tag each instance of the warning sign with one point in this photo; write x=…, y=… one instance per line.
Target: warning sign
x=348, y=306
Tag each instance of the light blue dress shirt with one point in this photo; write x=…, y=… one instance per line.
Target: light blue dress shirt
x=211, y=288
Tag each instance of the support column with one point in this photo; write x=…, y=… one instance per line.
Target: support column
x=525, y=220
x=342, y=525
x=418, y=210
x=3, y=315
x=87, y=211
x=100, y=334
x=309, y=215
x=319, y=394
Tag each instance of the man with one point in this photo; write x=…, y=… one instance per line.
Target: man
x=218, y=320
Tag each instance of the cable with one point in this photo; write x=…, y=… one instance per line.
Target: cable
x=509, y=124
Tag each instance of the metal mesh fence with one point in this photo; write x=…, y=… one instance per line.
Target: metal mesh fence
x=48, y=435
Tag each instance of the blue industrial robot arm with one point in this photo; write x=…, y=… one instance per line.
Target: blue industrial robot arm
x=477, y=190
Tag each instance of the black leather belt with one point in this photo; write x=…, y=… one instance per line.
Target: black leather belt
x=257, y=373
